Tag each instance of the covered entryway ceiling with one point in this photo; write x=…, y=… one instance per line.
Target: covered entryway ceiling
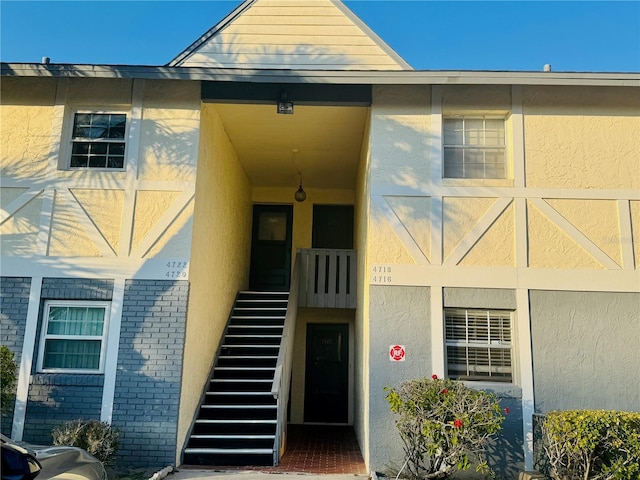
x=328, y=140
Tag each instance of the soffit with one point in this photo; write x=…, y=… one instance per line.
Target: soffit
x=328, y=140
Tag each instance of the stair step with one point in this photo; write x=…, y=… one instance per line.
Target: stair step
x=231, y=437
x=246, y=369
x=244, y=372
x=247, y=425
x=264, y=300
x=229, y=451
x=263, y=292
x=240, y=393
x=240, y=386
x=230, y=345
x=267, y=337
x=239, y=406
x=262, y=304
x=262, y=317
x=241, y=380
x=270, y=327
x=243, y=421
x=260, y=309
x=253, y=357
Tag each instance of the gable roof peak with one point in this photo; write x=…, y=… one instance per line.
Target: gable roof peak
x=291, y=34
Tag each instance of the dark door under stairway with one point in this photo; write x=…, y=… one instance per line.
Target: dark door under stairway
x=271, y=247
x=327, y=373
x=236, y=422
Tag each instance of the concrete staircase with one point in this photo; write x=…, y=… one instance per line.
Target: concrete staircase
x=237, y=419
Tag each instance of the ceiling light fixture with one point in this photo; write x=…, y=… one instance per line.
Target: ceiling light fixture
x=300, y=194
x=285, y=107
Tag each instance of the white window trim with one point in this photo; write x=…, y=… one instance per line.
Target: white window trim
x=504, y=117
x=66, y=147
x=44, y=337
x=511, y=346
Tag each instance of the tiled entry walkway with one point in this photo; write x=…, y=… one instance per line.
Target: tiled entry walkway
x=316, y=449
x=321, y=449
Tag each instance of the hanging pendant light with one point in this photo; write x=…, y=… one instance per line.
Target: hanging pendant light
x=300, y=194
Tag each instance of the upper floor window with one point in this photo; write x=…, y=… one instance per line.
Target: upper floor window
x=474, y=147
x=98, y=140
x=74, y=337
x=478, y=344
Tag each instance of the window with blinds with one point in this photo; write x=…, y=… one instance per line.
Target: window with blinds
x=474, y=147
x=74, y=337
x=478, y=344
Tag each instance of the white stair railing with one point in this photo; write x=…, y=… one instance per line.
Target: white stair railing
x=282, y=374
x=327, y=278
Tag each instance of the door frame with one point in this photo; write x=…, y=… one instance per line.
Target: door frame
x=299, y=418
x=255, y=211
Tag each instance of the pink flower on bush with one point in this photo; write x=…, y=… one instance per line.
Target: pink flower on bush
x=434, y=376
x=444, y=390
x=457, y=423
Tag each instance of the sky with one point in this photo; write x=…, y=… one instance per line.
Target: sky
x=586, y=36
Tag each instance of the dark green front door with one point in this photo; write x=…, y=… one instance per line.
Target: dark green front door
x=326, y=396
x=271, y=248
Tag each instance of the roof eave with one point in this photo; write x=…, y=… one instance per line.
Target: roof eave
x=376, y=77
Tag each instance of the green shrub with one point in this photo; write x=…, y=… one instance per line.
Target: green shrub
x=592, y=444
x=444, y=426
x=7, y=379
x=97, y=438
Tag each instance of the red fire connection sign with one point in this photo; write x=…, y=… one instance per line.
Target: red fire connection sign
x=397, y=353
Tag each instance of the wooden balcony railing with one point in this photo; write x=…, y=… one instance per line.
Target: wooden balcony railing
x=327, y=278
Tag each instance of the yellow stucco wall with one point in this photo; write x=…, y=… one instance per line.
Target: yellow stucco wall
x=35, y=145
x=635, y=230
x=99, y=92
x=361, y=343
x=169, y=135
x=169, y=130
x=400, y=139
x=104, y=207
x=149, y=208
x=25, y=126
x=19, y=234
x=574, y=138
x=496, y=247
x=579, y=137
x=478, y=99
x=220, y=258
x=597, y=219
x=306, y=316
x=26, y=135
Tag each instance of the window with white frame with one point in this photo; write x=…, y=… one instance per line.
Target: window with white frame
x=474, y=147
x=478, y=344
x=74, y=337
x=98, y=140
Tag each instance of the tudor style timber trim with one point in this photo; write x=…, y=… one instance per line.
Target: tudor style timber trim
x=26, y=359
x=525, y=371
x=131, y=163
x=60, y=187
x=113, y=346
